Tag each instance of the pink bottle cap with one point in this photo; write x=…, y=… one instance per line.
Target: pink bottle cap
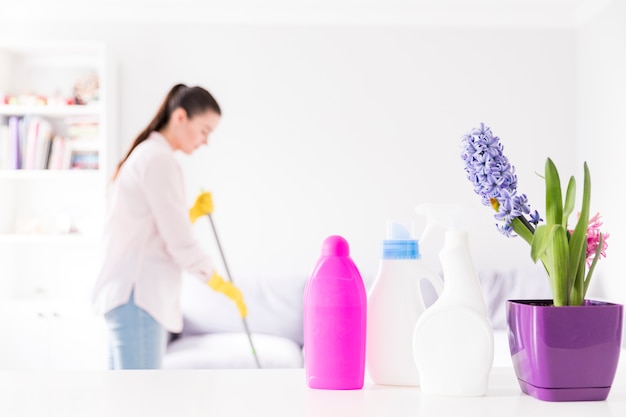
x=335, y=246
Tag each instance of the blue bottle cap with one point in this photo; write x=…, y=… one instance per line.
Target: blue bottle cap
x=399, y=244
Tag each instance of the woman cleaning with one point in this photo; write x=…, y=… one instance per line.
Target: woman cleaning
x=149, y=240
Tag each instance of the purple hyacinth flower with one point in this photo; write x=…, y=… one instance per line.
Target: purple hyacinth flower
x=493, y=177
x=535, y=218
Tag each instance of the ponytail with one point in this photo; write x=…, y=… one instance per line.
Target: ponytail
x=194, y=100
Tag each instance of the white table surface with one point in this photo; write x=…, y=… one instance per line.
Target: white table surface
x=281, y=392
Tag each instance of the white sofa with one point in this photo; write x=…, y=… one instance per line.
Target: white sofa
x=214, y=337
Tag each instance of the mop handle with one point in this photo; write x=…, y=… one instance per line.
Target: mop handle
x=228, y=276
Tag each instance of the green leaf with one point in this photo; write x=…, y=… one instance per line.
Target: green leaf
x=578, y=240
x=593, y=264
x=577, y=293
x=522, y=230
x=554, y=199
x=570, y=197
x=558, y=263
x=542, y=239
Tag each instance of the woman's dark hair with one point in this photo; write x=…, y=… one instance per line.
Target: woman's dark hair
x=194, y=100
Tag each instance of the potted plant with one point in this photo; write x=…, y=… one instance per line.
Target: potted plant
x=567, y=348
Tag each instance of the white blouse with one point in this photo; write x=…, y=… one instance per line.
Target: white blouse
x=148, y=237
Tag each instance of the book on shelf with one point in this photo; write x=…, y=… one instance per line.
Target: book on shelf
x=4, y=146
x=29, y=142
x=15, y=153
x=38, y=137
x=82, y=127
x=60, y=153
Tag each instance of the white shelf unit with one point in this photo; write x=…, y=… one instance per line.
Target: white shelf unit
x=38, y=80
x=50, y=219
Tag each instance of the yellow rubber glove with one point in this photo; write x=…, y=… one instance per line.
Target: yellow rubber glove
x=229, y=289
x=202, y=206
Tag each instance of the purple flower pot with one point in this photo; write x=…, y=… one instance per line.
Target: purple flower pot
x=565, y=353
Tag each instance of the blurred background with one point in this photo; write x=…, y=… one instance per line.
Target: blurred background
x=340, y=115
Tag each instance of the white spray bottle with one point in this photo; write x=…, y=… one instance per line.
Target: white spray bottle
x=453, y=339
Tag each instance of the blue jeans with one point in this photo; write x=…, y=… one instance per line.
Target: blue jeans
x=136, y=339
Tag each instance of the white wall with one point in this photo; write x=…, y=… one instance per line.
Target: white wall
x=331, y=129
x=602, y=132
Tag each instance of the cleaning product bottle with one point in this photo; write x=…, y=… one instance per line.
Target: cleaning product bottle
x=334, y=313
x=394, y=304
x=453, y=339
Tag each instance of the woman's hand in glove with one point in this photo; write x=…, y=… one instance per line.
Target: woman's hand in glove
x=218, y=284
x=202, y=206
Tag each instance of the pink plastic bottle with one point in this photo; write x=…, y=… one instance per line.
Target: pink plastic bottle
x=335, y=310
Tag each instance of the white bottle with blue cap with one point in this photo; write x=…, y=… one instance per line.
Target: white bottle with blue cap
x=395, y=303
